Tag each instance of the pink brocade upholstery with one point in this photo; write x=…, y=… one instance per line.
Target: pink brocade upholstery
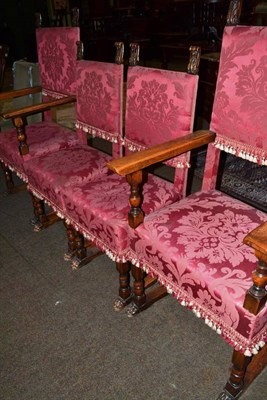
x=99, y=99
x=99, y=210
x=195, y=249
x=57, y=55
x=42, y=138
x=160, y=106
x=99, y=113
x=240, y=103
x=49, y=174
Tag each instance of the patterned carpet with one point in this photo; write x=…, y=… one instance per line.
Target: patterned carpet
x=241, y=179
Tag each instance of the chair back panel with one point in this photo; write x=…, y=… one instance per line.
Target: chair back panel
x=99, y=99
x=160, y=106
x=239, y=112
x=57, y=55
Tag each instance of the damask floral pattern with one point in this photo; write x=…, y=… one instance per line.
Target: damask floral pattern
x=160, y=105
x=239, y=112
x=99, y=209
x=57, y=55
x=195, y=248
x=42, y=138
x=48, y=175
x=99, y=98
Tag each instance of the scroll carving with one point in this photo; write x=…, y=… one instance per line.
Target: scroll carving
x=194, y=59
x=134, y=54
x=119, y=52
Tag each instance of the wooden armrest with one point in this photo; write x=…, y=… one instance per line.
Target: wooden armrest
x=19, y=92
x=257, y=239
x=162, y=152
x=38, y=107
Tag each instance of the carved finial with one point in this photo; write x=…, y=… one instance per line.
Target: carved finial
x=80, y=50
x=194, y=59
x=75, y=16
x=233, y=16
x=134, y=54
x=38, y=20
x=119, y=52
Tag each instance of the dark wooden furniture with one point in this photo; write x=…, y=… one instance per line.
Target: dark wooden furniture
x=4, y=51
x=208, y=71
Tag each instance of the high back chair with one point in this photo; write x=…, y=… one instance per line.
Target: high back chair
x=99, y=115
x=58, y=50
x=159, y=105
x=209, y=250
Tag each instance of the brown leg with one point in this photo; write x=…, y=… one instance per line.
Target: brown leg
x=8, y=178
x=85, y=252
x=142, y=300
x=234, y=386
x=41, y=219
x=71, y=234
x=125, y=293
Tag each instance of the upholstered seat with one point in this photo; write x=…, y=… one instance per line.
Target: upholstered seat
x=99, y=209
x=53, y=137
x=195, y=249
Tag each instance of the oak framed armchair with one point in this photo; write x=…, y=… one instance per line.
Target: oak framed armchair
x=209, y=249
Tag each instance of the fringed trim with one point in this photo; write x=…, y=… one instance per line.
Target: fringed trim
x=113, y=255
x=96, y=132
x=51, y=93
x=176, y=162
x=235, y=339
x=20, y=174
x=242, y=150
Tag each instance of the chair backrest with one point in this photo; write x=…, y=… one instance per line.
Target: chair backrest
x=239, y=116
x=160, y=106
x=57, y=55
x=4, y=51
x=99, y=101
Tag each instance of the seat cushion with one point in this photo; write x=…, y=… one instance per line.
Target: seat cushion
x=50, y=173
x=42, y=138
x=195, y=249
x=100, y=209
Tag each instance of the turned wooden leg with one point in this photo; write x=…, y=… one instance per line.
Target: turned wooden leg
x=139, y=298
x=125, y=292
x=8, y=178
x=71, y=235
x=85, y=251
x=40, y=217
x=142, y=298
x=234, y=385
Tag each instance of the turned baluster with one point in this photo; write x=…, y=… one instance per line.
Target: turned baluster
x=80, y=247
x=20, y=124
x=71, y=235
x=136, y=214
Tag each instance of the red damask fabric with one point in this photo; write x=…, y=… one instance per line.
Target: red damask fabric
x=99, y=99
x=57, y=55
x=160, y=106
x=239, y=112
x=195, y=248
x=48, y=175
x=99, y=209
x=42, y=138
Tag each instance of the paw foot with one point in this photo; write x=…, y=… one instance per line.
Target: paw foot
x=132, y=310
x=118, y=305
